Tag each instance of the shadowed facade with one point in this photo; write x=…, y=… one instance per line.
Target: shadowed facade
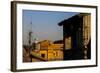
x=76, y=34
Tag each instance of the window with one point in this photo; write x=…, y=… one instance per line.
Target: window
x=43, y=55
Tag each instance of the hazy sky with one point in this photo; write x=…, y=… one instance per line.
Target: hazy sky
x=44, y=24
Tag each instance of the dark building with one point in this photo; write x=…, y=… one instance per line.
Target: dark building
x=73, y=35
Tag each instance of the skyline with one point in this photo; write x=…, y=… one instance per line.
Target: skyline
x=44, y=24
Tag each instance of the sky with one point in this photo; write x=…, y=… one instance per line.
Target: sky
x=44, y=24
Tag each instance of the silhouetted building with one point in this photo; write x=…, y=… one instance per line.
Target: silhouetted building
x=76, y=33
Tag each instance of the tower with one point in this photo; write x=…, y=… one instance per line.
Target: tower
x=30, y=35
x=30, y=41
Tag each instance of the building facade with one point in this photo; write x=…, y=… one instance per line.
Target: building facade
x=77, y=37
x=49, y=51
